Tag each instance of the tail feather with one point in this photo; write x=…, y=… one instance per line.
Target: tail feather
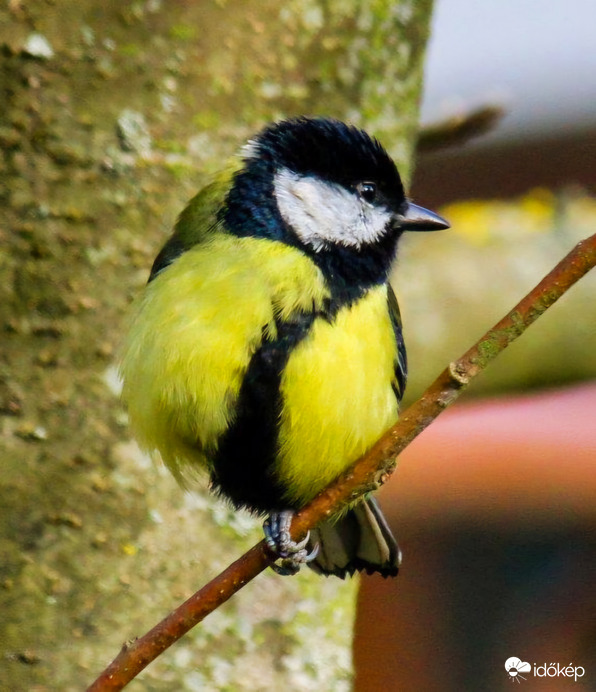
x=359, y=540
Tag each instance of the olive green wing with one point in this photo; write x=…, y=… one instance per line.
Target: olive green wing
x=198, y=221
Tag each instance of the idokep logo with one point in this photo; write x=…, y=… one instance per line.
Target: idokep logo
x=515, y=667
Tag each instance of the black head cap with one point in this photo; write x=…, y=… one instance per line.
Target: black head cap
x=332, y=151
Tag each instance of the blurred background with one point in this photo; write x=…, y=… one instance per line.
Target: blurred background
x=494, y=504
x=536, y=59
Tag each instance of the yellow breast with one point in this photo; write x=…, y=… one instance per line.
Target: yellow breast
x=337, y=395
x=196, y=328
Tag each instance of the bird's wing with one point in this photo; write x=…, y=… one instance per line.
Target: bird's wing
x=401, y=361
x=198, y=221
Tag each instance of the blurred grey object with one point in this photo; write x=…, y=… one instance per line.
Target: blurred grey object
x=537, y=60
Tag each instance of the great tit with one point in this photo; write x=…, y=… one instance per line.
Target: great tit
x=267, y=346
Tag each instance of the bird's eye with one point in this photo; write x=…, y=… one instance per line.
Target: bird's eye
x=367, y=191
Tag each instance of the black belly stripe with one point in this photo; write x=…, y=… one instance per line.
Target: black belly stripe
x=243, y=467
x=244, y=464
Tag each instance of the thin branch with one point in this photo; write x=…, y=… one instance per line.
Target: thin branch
x=458, y=129
x=368, y=473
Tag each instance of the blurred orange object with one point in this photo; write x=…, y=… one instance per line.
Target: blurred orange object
x=494, y=507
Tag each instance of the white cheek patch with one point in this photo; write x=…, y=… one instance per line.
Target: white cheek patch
x=322, y=213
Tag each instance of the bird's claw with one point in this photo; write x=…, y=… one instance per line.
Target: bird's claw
x=293, y=554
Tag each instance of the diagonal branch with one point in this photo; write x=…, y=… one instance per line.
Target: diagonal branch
x=368, y=473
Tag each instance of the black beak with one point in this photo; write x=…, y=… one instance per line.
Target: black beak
x=416, y=218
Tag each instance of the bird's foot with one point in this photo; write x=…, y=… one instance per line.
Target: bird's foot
x=277, y=536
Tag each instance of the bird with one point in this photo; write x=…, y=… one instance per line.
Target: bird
x=267, y=349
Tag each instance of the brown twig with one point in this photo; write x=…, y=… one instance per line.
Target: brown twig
x=458, y=129
x=368, y=473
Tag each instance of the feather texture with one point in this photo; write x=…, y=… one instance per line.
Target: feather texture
x=195, y=330
x=267, y=347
